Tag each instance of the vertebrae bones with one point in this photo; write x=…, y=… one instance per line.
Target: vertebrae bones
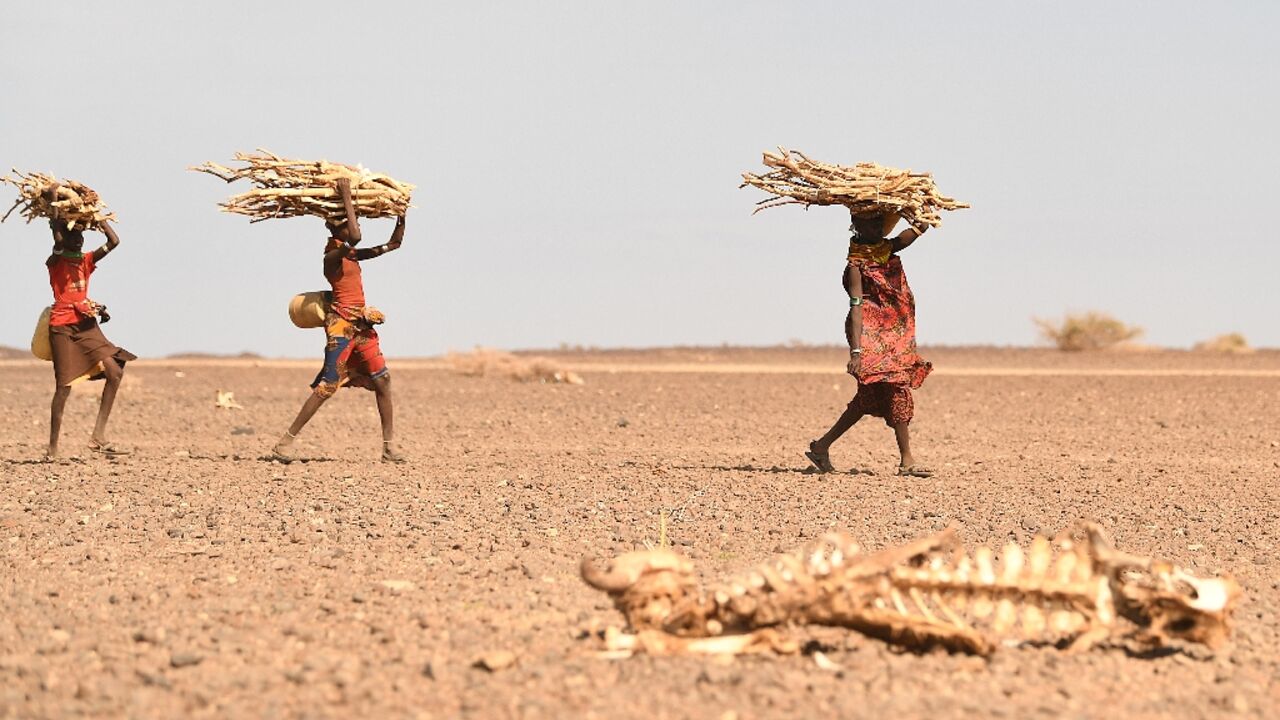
x=928, y=592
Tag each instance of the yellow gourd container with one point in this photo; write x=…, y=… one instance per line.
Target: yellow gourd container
x=307, y=310
x=41, y=347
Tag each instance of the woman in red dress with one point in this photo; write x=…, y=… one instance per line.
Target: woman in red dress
x=881, y=330
x=80, y=350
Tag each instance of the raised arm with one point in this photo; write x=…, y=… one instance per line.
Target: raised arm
x=337, y=253
x=349, y=206
x=904, y=239
x=113, y=241
x=51, y=194
x=397, y=237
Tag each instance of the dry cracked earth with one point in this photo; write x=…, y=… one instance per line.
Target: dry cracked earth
x=195, y=579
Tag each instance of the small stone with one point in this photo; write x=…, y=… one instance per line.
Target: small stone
x=623, y=422
x=156, y=679
x=185, y=659
x=825, y=663
x=242, y=430
x=154, y=636
x=495, y=660
x=398, y=586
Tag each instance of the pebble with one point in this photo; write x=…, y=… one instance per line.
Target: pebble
x=495, y=660
x=156, y=679
x=398, y=586
x=155, y=636
x=185, y=659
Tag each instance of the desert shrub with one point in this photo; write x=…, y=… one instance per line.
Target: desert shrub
x=1090, y=331
x=1229, y=343
x=483, y=362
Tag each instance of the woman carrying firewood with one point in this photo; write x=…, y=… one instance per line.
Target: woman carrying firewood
x=80, y=350
x=881, y=330
x=352, y=354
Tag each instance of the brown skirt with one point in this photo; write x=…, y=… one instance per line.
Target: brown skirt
x=78, y=349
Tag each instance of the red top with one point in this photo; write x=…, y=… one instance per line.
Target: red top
x=348, y=287
x=69, y=278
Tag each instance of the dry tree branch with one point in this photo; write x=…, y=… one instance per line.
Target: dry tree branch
x=73, y=203
x=288, y=188
x=865, y=188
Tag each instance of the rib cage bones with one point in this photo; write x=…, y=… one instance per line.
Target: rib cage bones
x=929, y=592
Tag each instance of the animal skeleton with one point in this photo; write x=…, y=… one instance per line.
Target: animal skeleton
x=75, y=204
x=288, y=188
x=930, y=592
x=865, y=188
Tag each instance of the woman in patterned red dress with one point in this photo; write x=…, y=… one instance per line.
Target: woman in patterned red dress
x=881, y=330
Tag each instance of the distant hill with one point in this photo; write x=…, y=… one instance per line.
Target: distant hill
x=8, y=353
x=214, y=356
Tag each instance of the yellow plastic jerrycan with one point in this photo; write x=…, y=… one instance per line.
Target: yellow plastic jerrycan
x=41, y=347
x=307, y=310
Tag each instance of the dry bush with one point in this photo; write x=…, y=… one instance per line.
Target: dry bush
x=1090, y=331
x=487, y=362
x=1229, y=343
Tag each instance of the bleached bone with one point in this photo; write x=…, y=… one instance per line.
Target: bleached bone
x=926, y=593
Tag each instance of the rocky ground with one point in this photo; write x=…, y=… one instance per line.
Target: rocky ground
x=196, y=579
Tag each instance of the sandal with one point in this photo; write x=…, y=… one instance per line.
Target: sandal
x=914, y=471
x=108, y=448
x=820, y=460
x=391, y=455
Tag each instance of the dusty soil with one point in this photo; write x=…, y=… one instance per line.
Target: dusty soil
x=195, y=579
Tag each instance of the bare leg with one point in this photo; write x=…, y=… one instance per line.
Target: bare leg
x=902, y=431
x=307, y=412
x=820, y=450
x=114, y=373
x=847, y=419
x=382, y=390
x=55, y=419
x=908, y=466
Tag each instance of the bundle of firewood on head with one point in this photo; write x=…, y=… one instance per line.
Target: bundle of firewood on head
x=73, y=204
x=289, y=188
x=865, y=188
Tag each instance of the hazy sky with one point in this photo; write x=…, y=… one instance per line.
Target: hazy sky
x=577, y=164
